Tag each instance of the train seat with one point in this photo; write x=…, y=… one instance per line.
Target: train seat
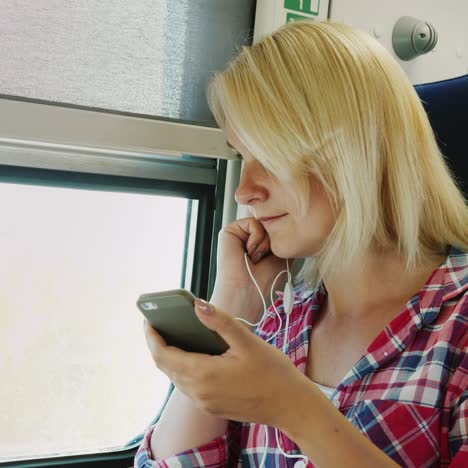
x=446, y=103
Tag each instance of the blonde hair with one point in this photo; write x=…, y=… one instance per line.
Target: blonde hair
x=327, y=99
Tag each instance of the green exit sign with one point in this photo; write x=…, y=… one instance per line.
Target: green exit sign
x=300, y=9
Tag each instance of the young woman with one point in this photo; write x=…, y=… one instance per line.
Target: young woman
x=370, y=367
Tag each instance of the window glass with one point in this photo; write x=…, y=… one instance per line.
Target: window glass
x=77, y=376
x=141, y=56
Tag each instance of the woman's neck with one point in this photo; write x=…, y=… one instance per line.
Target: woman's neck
x=378, y=282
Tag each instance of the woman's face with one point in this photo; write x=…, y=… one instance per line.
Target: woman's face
x=291, y=235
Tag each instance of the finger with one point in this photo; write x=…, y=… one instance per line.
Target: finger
x=261, y=251
x=250, y=231
x=231, y=330
x=170, y=359
x=154, y=340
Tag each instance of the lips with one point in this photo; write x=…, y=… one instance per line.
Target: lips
x=271, y=219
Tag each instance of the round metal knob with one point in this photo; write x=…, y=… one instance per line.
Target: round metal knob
x=412, y=37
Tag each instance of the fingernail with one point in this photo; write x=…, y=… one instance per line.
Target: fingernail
x=203, y=306
x=253, y=249
x=257, y=257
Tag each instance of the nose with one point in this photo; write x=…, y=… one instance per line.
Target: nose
x=252, y=187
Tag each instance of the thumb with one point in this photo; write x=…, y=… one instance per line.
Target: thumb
x=231, y=330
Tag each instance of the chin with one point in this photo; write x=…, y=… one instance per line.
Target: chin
x=289, y=250
x=284, y=251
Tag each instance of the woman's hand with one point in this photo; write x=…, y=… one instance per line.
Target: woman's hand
x=250, y=382
x=232, y=276
x=246, y=235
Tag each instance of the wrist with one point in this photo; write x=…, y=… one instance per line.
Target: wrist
x=237, y=301
x=300, y=401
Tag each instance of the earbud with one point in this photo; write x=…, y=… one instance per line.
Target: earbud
x=288, y=298
x=288, y=295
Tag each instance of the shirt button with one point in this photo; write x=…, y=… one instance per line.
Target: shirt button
x=385, y=353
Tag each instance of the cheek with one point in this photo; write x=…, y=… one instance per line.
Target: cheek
x=320, y=208
x=312, y=230
x=304, y=235
x=321, y=218
x=320, y=214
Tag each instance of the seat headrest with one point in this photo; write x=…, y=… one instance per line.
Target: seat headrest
x=446, y=103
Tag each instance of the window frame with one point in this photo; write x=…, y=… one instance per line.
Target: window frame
x=206, y=195
x=35, y=124
x=31, y=153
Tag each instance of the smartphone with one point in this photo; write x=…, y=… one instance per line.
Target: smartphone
x=172, y=314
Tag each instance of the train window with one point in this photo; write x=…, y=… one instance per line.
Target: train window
x=112, y=175
x=77, y=377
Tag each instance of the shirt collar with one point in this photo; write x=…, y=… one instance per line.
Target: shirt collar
x=449, y=280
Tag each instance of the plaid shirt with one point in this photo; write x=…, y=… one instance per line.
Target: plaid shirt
x=408, y=393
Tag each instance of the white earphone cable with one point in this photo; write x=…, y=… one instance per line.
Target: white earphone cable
x=263, y=299
x=304, y=461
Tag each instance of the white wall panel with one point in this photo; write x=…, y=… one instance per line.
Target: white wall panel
x=450, y=56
